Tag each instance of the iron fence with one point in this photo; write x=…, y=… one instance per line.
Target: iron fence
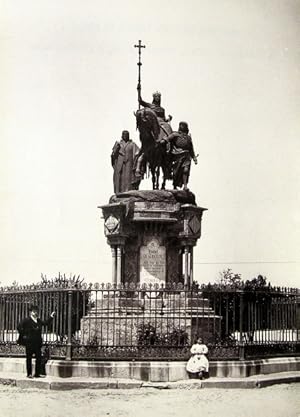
x=102, y=321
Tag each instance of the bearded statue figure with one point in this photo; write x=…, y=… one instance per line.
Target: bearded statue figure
x=123, y=157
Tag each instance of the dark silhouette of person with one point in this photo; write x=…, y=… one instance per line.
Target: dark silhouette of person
x=30, y=336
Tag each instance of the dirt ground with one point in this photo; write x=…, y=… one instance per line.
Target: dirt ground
x=276, y=401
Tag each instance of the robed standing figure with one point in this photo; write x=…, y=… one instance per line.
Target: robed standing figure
x=122, y=159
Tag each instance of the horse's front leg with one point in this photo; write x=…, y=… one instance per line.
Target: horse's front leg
x=163, y=184
x=157, y=178
x=153, y=177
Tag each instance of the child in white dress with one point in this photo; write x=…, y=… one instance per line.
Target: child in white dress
x=198, y=366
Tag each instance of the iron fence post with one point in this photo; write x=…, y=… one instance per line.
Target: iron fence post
x=241, y=339
x=69, y=340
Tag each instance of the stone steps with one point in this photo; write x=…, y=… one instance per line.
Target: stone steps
x=172, y=303
x=64, y=384
x=155, y=371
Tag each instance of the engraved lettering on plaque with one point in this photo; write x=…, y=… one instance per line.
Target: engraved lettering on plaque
x=152, y=263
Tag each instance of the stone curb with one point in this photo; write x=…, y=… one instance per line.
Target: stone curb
x=227, y=383
x=269, y=381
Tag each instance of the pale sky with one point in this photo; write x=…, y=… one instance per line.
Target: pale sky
x=68, y=79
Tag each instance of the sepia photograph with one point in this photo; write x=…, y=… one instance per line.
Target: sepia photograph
x=150, y=208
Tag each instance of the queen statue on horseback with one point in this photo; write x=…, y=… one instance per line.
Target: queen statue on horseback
x=158, y=110
x=153, y=126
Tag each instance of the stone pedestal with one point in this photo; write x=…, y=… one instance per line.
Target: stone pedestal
x=152, y=235
x=117, y=320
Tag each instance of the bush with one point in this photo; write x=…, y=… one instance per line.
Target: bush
x=148, y=335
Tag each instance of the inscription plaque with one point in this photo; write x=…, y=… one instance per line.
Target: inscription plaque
x=152, y=263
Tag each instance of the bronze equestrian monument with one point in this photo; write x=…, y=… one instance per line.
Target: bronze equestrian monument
x=152, y=233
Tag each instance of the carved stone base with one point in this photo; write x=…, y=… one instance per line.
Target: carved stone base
x=121, y=321
x=152, y=234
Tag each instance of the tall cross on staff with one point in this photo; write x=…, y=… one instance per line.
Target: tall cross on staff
x=139, y=46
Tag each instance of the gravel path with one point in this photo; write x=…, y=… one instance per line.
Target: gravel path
x=275, y=401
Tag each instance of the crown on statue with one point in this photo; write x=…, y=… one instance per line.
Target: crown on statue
x=156, y=93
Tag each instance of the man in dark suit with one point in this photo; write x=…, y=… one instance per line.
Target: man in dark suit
x=30, y=330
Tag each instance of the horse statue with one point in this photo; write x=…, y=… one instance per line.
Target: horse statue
x=153, y=152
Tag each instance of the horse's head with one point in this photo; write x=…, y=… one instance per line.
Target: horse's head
x=147, y=123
